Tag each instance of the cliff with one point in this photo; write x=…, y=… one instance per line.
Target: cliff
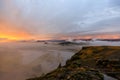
x=88, y=64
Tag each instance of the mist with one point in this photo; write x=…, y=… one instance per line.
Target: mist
x=19, y=60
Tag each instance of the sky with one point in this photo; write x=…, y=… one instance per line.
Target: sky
x=59, y=19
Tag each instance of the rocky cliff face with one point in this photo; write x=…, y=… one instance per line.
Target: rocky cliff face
x=88, y=64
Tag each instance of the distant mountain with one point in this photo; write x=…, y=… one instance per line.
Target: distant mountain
x=50, y=40
x=109, y=39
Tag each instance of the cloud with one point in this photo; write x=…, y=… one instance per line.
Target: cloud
x=50, y=18
x=115, y=2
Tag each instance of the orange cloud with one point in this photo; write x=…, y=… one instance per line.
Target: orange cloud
x=108, y=36
x=10, y=31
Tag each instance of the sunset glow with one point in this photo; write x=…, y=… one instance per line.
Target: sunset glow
x=22, y=36
x=14, y=36
x=26, y=20
x=12, y=32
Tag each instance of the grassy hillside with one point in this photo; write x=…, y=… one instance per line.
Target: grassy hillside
x=88, y=64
